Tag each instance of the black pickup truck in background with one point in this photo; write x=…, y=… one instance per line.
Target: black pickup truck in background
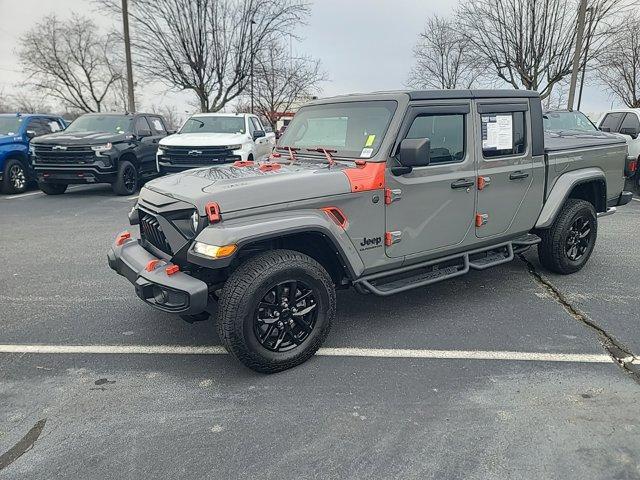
x=119, y=149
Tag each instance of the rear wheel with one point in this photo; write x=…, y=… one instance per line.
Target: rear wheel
x=53, y=188
x=15, y=177
x=568, y=244
x=276, y=310
x=127, y=181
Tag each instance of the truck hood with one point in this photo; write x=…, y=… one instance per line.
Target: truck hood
x=204, y=139
x=7, y=139
x=240, y=188
x=81, y=138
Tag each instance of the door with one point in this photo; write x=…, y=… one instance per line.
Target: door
x=262, y=143
x=147, y=146
x=630, y=128
x=432, y=207
x=505, y=165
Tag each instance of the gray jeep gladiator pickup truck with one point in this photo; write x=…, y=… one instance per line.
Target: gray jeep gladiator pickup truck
x=382, y=192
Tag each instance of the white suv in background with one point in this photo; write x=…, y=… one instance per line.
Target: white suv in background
x=626, y=122
x=213, y=138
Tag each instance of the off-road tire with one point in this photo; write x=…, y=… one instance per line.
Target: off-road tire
x=127, y=180
x=552, y=250
x=11, y=168
x=247, y=286
x=53, y=188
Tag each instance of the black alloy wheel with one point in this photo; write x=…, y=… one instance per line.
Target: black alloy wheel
x=578, y=238
x=130, y=178
x=285, y=316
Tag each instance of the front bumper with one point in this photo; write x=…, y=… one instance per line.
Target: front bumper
x=177, y=293
x=74, y=174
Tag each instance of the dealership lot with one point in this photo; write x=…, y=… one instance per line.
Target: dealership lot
x=470, y=410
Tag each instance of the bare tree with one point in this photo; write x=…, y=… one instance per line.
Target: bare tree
x=70, y=61
x=5, y=103
x=619, y=65
x=204, y=45
x=170, y=114
x=283, y=81
x=443, y=57
x=529, y=43
x=31, y=103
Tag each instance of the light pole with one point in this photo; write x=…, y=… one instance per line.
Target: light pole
x=127, y=51
x=586, y=54
x=582, y=12
x=251, y=53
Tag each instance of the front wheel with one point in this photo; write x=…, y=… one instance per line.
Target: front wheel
x=276, y=310
x=15, y=177
x=127, y=179
x=568, y=244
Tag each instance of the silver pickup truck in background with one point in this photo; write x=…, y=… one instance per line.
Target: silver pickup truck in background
x=382, y=192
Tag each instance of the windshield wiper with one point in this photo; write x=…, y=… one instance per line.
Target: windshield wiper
x=292, y=152
x=327, y=153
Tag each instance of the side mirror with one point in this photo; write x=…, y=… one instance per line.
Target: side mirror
x=414, y=152
x=605, y=129
x=144, y=133
x=258, y=134
x=632, y=132
x=31, y=133
x=171, y=132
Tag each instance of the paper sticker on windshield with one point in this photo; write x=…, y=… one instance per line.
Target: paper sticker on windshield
x=370, y=140
x=366, y=153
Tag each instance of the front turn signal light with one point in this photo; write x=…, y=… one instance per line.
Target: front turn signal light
x=214, y=251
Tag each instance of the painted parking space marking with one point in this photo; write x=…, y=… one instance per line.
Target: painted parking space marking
x=325, y=352
x=13, y=197
x=636, y=199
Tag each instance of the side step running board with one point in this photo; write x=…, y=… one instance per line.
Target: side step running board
x=433, y=271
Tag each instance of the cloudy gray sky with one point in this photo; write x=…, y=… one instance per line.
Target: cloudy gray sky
x=364, y=45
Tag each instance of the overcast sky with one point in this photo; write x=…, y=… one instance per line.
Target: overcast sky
x=364, y=45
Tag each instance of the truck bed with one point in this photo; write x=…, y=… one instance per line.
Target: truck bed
x=571, y=140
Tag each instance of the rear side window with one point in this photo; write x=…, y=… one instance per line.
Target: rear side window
x=630, y=121
x=445, y=133
x=611, y=122
x=503, y=134
x=157, y=126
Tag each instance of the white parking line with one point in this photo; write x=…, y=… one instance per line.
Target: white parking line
x=11, y=197
x=636, y=199
x=328, y=352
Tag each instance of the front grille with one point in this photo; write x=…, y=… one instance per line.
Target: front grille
x=197, y=155
x=68, y=154
x=151, y=231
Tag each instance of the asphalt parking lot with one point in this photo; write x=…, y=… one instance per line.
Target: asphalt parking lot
x=418, y=385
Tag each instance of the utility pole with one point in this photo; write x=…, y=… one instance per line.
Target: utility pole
x=582, y=12
x=586, y=55
x=251, y=51
x=127, y=50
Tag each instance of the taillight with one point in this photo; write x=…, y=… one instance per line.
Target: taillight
x=212, y=209
x=633, y=166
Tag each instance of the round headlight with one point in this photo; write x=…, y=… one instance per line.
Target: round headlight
x=195, y=221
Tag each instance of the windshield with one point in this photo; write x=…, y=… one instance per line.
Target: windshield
x=214, y=125
x=10, y=125
x=577, y=121
x=101, y=123
x=352, y=129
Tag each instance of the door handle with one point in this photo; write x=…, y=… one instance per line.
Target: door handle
x=463, y=183
x=518, y=175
